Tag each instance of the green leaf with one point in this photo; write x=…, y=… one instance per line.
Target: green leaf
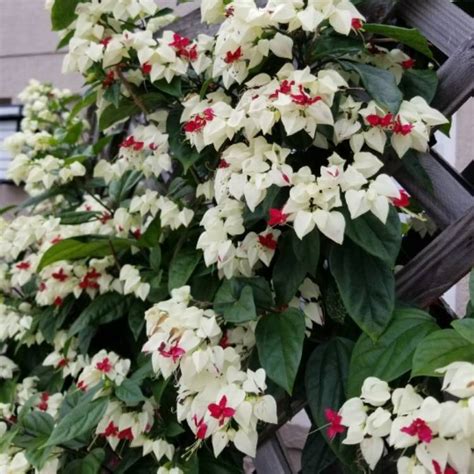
x=296, y=259
x=242, y=310
x=130, y=393
x=121, y=189
x=376, y=238
x=112, y=94
x=75, y=218
x=38, y=424
x=86, y=101
x=367, y=287
x=151, y=236
x=127, y=108
x=419, y=82
x=91, y=464
x=317, y=455
x=411, y=162
x=102, y=310
x=408, y=36
x=465, y=328
x=182, y=267
x=380, y=84
x=136, y=318
x=63, y=13
x=172, y=88
x=79, y=421
x=73, y=249
x=112, y=114
x=326, y=386
x=334, y=46
x=438, y=350
x=65, y=40
x=179, y=146
x=155, y=258
x=280, y=339
x=391, y=356
x=261, y=212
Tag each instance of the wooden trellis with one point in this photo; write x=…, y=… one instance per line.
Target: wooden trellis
x=450, y=203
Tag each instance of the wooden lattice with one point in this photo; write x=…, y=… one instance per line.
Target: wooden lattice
x=450, y=203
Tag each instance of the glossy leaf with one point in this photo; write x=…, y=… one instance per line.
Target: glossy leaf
x=79, y=421
x=408, y=36
x=440, y=349
x=391, y=356
x=378, y=239
x=326, y=386
x=380, y=84
x=182, y=267
x=280, y=339
x=366, y=285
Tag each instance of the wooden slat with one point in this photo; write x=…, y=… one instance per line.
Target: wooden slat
x=443, y=23
x=450, y=198
x=456, y=79
x=445, y=261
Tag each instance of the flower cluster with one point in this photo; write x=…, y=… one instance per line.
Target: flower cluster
x=215, y=396
x=436, y=437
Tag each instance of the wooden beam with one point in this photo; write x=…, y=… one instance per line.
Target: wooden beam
x=450, y=198
x=443, y=23
x=441, y=264
x=456, y=79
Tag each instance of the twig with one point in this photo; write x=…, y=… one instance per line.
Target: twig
x=129, y=88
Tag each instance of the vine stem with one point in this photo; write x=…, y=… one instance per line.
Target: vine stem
x=128, y=86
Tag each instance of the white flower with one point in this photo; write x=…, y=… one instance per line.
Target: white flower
x=7, y=367
x=376, y=392
x=458, y=379
x=133, y=283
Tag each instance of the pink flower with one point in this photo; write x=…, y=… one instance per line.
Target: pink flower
x=438, y=470
x=419, y=428
x=267, y=241
x=403, y=200
x=221, y=411
x=334, y=420
x=104, y=365
x=277, y=217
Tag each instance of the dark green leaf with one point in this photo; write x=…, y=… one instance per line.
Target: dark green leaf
x=74, y=218
x=408, y=36
x=130, y=393
x=367, y=287
x=317, y=455
x=172, y=88
x=155, y=258
x=380, y=84
x=136, y=318
x=102, y=310
x=411, y=162
x=86, y=101
x=112, y=94
x=440, y=349
x=391, y=356
x=334, y=46
x=121, y=189
x=243, y=310
x=280, y=339
x=465, y=328
x=91, y=464
x=63, y=13
x=379, y=239
x=296, y=259
x=72, y=249
x=419, y=82
x=326, y=386
x=182, y=267
x=38, y=424
x=151, y=236
x=79, y=421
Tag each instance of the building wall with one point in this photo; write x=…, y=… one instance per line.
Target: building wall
x=28, y=46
